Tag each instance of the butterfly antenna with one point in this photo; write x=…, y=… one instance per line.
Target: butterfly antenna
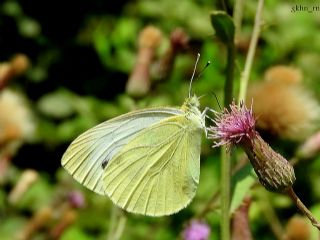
x=205, y=67
x=217, y=100
x=194, y=71
x=204, y=95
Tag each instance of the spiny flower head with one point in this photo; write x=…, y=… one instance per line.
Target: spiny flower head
x=232, y=125
x=236, y=127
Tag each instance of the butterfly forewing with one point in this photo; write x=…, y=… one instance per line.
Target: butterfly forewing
x=88, y=155
x=157, y=172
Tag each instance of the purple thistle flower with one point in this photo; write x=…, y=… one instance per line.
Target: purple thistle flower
x=196, y=230
x=76, y=199
x=232, y=125
x=237, y=127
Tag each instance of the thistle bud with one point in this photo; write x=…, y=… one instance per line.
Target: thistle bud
x=139, y=81
x=275, y=173
x=240, y=222
x=178, y=42
x=20, y=63
x=76, y=199
x=17, y=66
x=237, y=127
x=6, y=73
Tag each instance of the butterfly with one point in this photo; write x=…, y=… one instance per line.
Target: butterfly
x=146, y=161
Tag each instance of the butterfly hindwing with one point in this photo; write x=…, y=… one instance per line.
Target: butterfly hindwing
x=88, y=155
x=157, y=172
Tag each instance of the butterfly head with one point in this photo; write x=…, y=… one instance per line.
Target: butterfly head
x=192, y=113
x=191, y=103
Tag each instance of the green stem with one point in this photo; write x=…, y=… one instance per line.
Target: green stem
x=225, y=193
x=119, y=231
x=213, y=201
x=237, y=18
x=117, y=223
x=228, y=87
x=224, y=5
x=250, y=56
x=113, y=220
x=225, y=156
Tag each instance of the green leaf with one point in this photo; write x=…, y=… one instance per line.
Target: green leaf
x=242, y=182
x=10, y=225
x=57, y=104
x=223, y=25
x=315, y=209
x=75, y=233
x=37, y=196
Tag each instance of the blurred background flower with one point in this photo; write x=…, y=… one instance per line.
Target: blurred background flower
x=76, y=199
x=16, y=120
x=283, y=106
x=196, y=230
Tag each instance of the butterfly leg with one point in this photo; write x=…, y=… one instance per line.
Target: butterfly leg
x=204, y=115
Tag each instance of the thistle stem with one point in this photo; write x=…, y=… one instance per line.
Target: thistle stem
x=213, y=201
x=117, y=224
x=237, y=18
x=250, y=56
x=225, y=193
x=225, y=156
x=290, y=192
x=120, y=228
x=228, y=87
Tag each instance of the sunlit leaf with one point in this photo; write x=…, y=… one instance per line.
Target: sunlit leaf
x=223, y=25
x=242, y=182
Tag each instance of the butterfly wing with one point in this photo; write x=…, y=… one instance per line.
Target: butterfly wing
x=87, y=156
x=157, y=172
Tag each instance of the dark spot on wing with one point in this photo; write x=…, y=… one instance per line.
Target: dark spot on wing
x=104, y=163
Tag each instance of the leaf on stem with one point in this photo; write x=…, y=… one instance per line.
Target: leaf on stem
x=223, y=25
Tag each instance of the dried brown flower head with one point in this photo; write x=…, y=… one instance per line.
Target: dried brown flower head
x=17, y=66
x=297, y=229
x=283, y=74
x=139, y=81
x=179, y=41
x=282, y=106
x=16, y=121
x=20, y=63
x=150, y=37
